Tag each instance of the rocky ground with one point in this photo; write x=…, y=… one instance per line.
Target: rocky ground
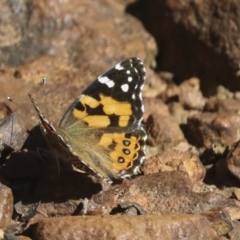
x=190, y=186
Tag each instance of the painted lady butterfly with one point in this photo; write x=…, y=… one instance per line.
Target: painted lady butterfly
x=101, y=131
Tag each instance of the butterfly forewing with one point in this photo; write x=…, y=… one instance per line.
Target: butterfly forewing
x=115, y=98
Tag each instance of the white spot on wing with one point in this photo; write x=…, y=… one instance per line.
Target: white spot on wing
x=103, y=79
x=130, y=79
x=142, y=160
x=133, y=96
x=136, y=170
x=110, y=84
x=126, y=151
x=125, y=87
x=119, y=67
x=128, y=71
x=145, y=137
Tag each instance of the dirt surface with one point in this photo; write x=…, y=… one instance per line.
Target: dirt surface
x=189, y=186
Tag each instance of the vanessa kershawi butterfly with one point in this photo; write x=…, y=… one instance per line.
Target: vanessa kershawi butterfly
x=101, y=131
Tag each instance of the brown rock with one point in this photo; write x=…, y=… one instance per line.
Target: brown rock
x=6, y=205
x=56, y=209
x=125, y=227
x=13, y=132
x=235, y=233
x=194, y=32
x=179, y=113
x=202, y=187
x=154, y=105
x=10, y=236
x=5, y=235
x=163, y=130
x=5, y=111
x=176, y=160
x=21, y=237
x=233, y=160
x=207, y=129
x=220, y=220
x=237, y=194
x=159, y=193
x=170, y=93
x=52, y=19
x=154, y=84
x=190, y=95
x=223, y=105
x=224, y=93
x=234, y=212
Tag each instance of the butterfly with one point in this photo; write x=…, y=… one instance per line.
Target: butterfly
x=101, y=131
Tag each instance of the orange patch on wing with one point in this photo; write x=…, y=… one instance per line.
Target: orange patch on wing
x=117, y=165
x=123, y=121
x=79, y=114
x=90, y=101
x=118, y=138
x=85, y=100
x=105, y=140
x=97, y=121
x=112, y=106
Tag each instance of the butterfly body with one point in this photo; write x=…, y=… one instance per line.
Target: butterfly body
x=101, y=129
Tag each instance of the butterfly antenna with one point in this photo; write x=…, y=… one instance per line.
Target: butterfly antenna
x=44, y=81
x=11, y=100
